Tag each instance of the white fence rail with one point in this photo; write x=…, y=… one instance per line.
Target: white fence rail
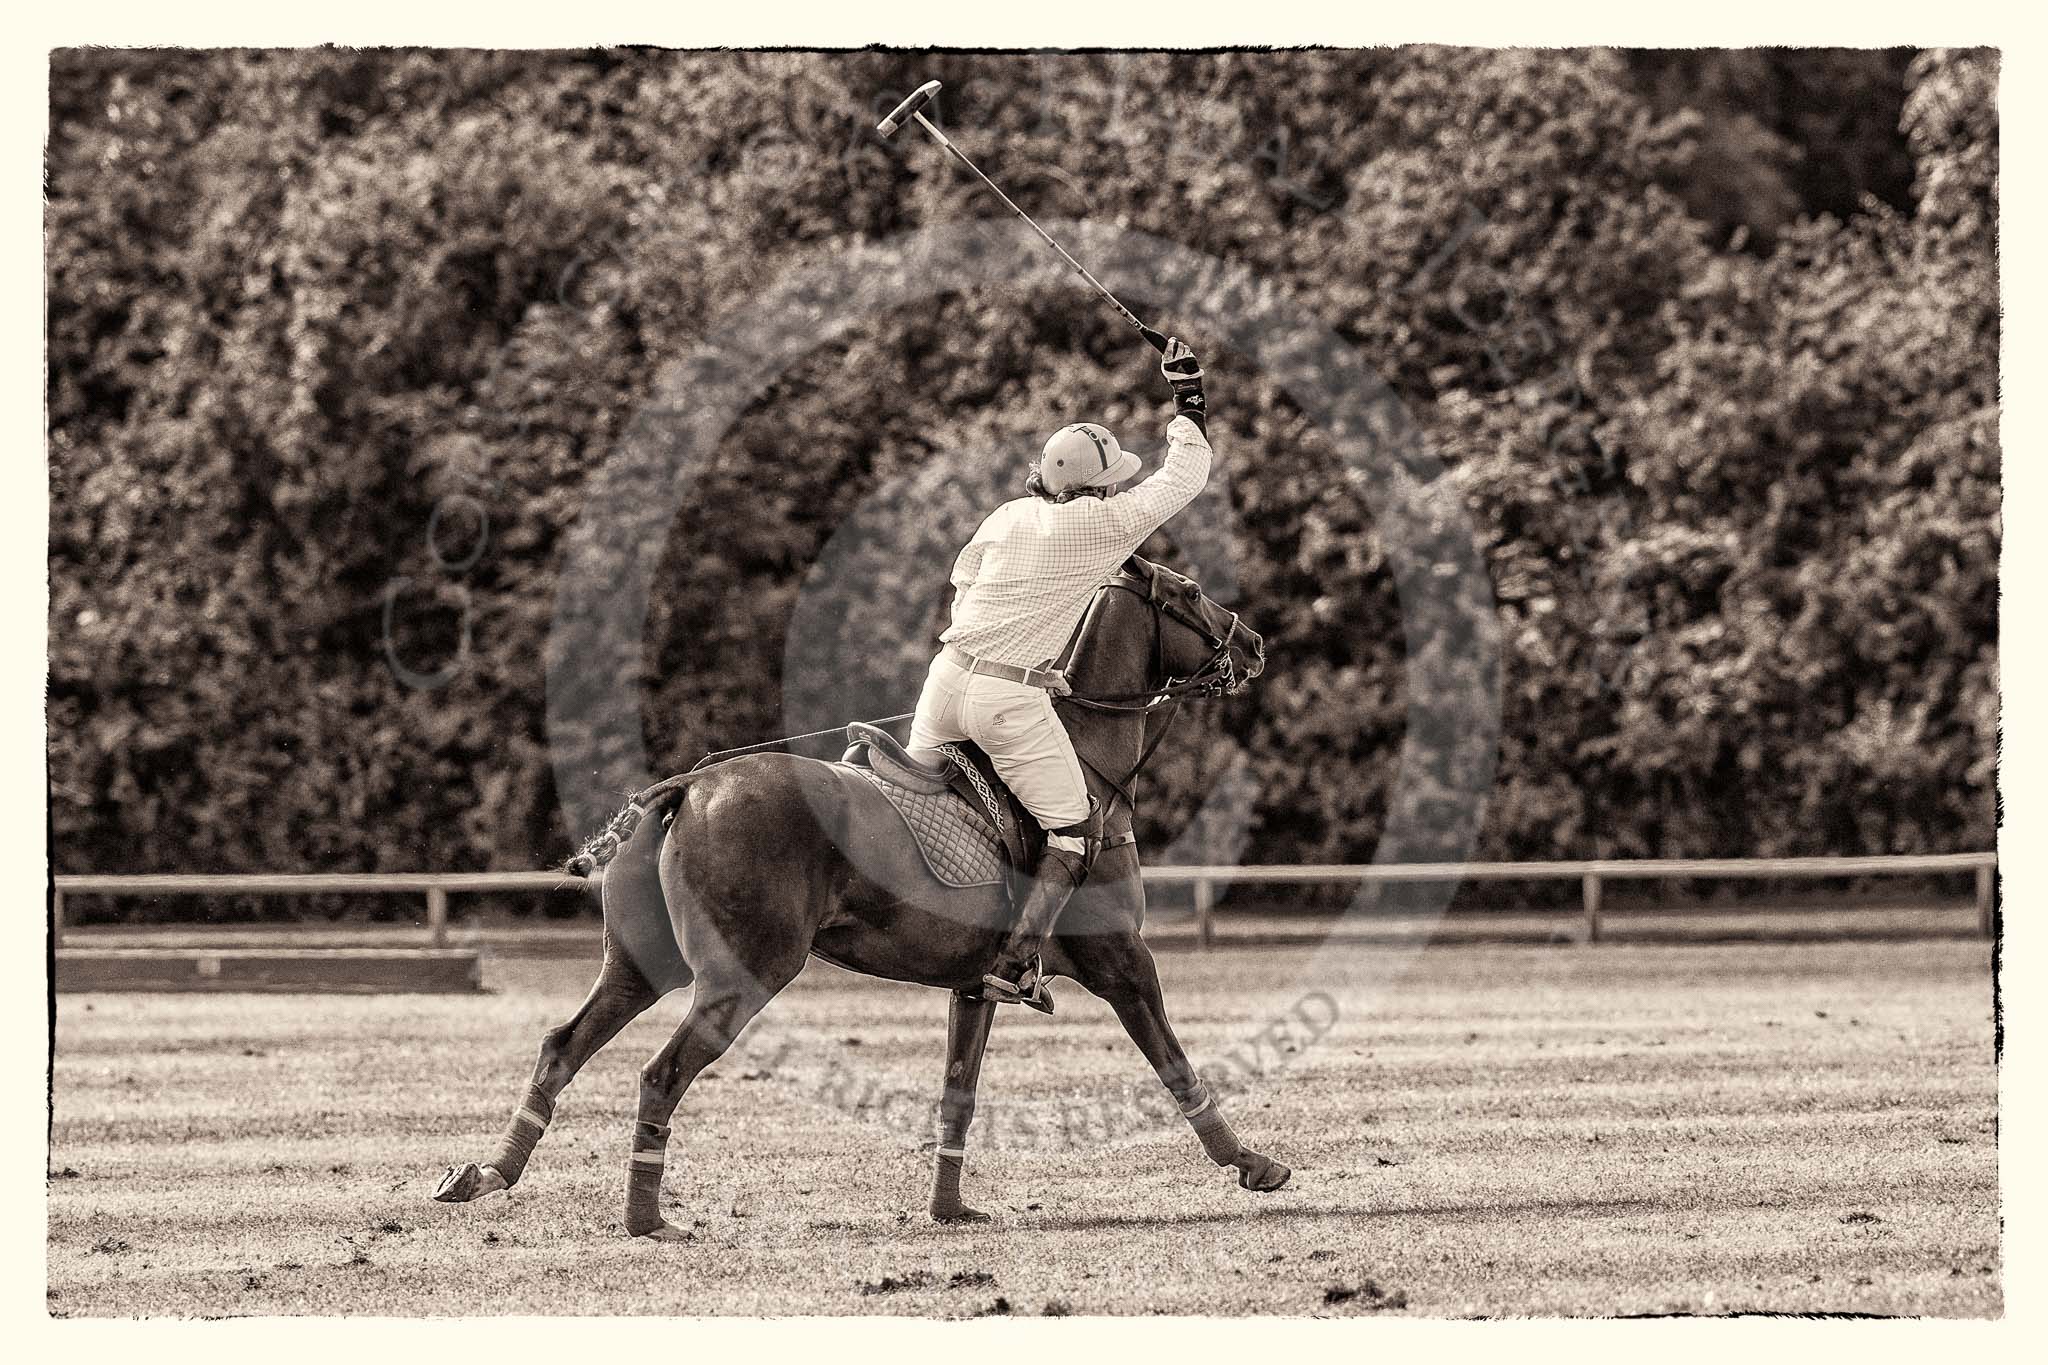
x=1591, y=876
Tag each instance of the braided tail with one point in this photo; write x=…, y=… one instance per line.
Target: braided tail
x=601, y=847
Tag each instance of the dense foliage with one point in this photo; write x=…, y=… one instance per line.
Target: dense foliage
x=1706, y=344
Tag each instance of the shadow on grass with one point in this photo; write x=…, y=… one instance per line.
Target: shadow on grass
x=1483, y=1212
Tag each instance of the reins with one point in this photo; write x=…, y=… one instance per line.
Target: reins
x=1122, y=789
x=721, y=755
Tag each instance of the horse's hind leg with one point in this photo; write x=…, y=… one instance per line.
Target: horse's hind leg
x=639, y=952
x=1119, y=968
x=967, y=1025
x=724, y=1004
x=618, y=997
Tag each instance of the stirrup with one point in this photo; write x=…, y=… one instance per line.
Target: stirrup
x=1003, y=992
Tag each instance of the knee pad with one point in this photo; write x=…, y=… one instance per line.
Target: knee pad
x=1088, y=826
x=1076, y=844
x=1082, y=839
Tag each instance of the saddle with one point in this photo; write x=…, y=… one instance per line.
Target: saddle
x=970, y=830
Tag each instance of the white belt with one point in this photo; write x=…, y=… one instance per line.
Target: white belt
x=1051, y=679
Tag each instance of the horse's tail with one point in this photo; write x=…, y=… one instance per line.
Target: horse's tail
x=601, y=847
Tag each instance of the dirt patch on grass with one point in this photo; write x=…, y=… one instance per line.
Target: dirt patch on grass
x=1367, y=1295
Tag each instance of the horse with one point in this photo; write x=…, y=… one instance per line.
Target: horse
x=729, y=877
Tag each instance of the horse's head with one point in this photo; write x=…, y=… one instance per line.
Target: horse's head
x=1200, y=641
x=1195, y=646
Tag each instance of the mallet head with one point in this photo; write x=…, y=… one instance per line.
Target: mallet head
x=918, y=99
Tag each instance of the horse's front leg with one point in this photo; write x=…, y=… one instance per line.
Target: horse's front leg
x=1119, y=968
x=967, y=1025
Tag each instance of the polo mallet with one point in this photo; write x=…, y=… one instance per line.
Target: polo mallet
x=913, y=108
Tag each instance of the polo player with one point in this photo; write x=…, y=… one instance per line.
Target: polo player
x=1021, y=585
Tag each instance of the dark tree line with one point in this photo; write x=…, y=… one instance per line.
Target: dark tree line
x=1705, y=344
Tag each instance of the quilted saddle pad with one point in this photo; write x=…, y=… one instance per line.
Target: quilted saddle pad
x=957, y=842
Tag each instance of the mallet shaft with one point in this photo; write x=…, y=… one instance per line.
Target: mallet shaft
x=1155, y=338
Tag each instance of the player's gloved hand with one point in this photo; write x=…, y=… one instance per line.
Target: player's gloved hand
x=1183, y=373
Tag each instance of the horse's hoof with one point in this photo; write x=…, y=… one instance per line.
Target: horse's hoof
x=1260, y=1173
x=460, y=1184
x=963, y=1214
x=665, y=1232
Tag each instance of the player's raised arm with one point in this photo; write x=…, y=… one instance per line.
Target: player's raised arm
x=1142, y=510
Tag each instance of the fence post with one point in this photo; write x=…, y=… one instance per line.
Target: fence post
x=57, y=919
x=437, y=916
x=1205, y=905
x=1589, y=893
x=1985, y=887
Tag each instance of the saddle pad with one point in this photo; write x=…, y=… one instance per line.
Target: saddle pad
x=957, y=843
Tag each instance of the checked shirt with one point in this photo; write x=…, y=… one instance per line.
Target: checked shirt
x=1023, y=581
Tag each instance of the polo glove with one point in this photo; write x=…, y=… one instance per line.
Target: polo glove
x=1184, y=376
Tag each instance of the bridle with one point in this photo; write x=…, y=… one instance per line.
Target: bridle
x=1218, y=676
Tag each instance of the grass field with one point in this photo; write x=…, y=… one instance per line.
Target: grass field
x=1495, y=1131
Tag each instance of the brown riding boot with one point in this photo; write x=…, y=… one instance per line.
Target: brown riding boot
x=1018, y=978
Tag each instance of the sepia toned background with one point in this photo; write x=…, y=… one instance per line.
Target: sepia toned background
x=1705, y=341
x=1700, y=352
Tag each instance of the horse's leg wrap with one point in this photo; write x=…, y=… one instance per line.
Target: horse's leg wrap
x=643, y=1177
x=1198, y=1107
x=946, y=1183
x=956, y=1111
x=529, y=1124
